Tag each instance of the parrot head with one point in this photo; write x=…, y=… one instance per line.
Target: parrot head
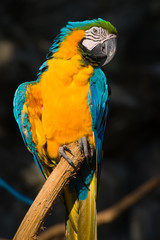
x=99, y=45
x=94, y=39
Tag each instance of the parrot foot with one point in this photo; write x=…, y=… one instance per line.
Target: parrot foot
x=61, y=153
x=86, y=148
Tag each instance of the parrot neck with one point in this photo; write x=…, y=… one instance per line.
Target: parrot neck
x=70, y=45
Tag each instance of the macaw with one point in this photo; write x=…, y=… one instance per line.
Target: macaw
x=68, y=102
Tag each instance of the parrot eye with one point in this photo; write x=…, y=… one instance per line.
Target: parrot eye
x=95, y=30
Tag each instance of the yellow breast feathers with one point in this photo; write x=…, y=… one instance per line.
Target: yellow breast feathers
x=62, y=96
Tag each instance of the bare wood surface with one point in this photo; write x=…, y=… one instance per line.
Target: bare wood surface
x=110, y=214
x=37, y=213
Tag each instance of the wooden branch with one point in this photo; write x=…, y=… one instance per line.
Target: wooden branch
x=110, y=214
x=37, y=213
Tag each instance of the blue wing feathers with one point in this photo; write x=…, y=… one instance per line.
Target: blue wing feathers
x=38, y=163
x=81, y=183
x=19, y=99
x=18, y=102
x=99, y=109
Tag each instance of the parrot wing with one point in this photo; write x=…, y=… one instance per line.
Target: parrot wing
x=24, y=123
x=98, y=103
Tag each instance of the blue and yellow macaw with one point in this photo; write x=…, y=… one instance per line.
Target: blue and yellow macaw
x=68, y=102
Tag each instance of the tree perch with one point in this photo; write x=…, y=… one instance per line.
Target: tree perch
x=37, y=213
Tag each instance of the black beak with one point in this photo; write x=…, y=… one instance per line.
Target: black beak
x=104, y=52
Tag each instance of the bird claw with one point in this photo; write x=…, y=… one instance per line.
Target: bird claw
x=61, y=153
x=86, y=148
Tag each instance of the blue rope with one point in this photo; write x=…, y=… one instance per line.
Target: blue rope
x=15, y=193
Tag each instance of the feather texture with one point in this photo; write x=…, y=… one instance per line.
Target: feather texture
x=81, y=223
x=98, y=103
x=23, y=122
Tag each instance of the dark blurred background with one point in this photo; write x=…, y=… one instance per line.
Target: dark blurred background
x=132, y=140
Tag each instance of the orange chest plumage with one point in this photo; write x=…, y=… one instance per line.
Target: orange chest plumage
x=65, y=87
x=65, y=114
x=60, y=99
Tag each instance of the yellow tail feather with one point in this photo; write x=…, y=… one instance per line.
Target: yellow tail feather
x=82, y=215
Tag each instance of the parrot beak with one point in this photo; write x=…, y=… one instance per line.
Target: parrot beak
x=104, y=51
x=109, y=49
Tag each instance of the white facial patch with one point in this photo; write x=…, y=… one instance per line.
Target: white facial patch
x=94, y=36
x=89, y=44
